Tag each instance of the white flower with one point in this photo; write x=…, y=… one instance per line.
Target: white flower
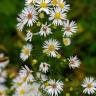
x=29, y=2
x=43, y=5
x=29, y=36
x=44, y=67
x=23, y=90
x=89, y=85
x=62, y=4
x=21, y=23
x=69, y=28
x=3, y=60
x=34, y=90
x=41, y=76
x=26, y=74
x=74, y=62
x=66, y=41
x=28, y=89
x=45, y=30
x=58, y=15
x=3, y=90
x=54, y=87
x=3, y=75
x=50, y=47
x=26, y=51
x=28, y=16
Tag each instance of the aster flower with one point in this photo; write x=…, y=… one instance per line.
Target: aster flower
x=74, y=62
x=26, y=74
x=22, y=90
x=50, y=47
x=45, y=30
x=89, y=85
x=28, y=16
x=54, y=87
x=41, y=76
x=44, y=67
x=66, y=41
x=62, y=4
x=34, y=90
x=58, y=15
x=26, y=51
x=69, y=28
x=43, y=5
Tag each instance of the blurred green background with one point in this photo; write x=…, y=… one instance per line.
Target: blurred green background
x=84, y=42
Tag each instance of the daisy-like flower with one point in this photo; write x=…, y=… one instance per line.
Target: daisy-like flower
x=28, y=16
x=34, y=90
x=25, y=76
x=43, y=5
x=26, y=51
x=45, y=30
x=41, y=76
x=89, y=85
x=54, y=87
x=74, y=62
x=29, y=36
x=22, y=90
x=44, y=67
x=62, y=4
x=3, y=90
x=69, y=28
x=30, y=2
x=50, y=47
x=58, y=15
x=66, y=41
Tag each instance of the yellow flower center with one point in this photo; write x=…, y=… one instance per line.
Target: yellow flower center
x=51, y=47
x=43, y=5
x=26, y=51
x=89, y=85
x=30, y=16
x=46, y=84
x=61, y=5
x=54, y=2
x=22, y=92
x=58, y=15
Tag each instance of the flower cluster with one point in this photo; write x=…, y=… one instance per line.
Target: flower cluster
x=33, y=15
x=26, y=84
x=46, y=16
x=3, y=74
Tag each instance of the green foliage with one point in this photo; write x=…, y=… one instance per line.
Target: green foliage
x=83, y=43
